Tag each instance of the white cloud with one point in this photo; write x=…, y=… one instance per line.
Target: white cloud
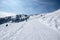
x=10, y=2
x=3, y=14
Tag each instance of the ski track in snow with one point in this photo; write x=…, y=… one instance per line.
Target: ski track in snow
x=7, y=34
x=34, y=32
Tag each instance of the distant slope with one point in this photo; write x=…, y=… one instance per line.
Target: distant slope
x=15, y=18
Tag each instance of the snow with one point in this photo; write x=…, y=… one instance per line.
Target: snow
x=52, y=19
x=37, y=27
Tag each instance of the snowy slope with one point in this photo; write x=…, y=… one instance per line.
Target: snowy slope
x=37, y=27
x=52, y=19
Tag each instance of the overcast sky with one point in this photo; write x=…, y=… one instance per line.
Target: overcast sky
x=29, y=6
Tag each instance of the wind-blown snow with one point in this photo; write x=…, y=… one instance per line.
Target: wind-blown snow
x=37, y=27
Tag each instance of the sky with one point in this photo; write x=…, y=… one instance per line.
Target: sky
x=29, y=6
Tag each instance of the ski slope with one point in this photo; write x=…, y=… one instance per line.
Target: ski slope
x=52, y=19
x=37, y=27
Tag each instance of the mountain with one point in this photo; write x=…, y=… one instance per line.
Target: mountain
x=31, y=27
x=16, y=18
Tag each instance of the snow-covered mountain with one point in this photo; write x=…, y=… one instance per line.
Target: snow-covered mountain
x=31, y=27
x=16, y=18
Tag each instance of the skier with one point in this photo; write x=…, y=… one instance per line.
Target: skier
x=6, y=25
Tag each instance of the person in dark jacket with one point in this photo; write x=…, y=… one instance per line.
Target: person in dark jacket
x=6, y=25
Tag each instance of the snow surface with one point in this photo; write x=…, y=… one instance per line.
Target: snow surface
x=38, y=27
x=52, y=19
